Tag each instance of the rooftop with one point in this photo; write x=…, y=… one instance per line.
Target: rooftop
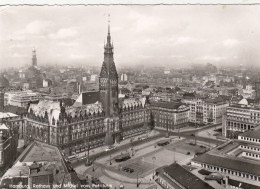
x=215, y=100
x=255, y=133
x=169, y=105
x=229, y=163
x=85, y=98
x=7, y=115
x=185, y=178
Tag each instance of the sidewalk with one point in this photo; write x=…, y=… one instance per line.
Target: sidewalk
x=123, y=142
x=188, y=129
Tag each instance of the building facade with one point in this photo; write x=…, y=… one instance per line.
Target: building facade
x=240, y=118
x=213, y=110
x=169, y=116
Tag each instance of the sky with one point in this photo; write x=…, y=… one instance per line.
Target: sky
x=165, y=35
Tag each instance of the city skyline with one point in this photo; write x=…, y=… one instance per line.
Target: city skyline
x=149, y=35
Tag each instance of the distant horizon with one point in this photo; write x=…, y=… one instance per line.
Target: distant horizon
x=171, y=35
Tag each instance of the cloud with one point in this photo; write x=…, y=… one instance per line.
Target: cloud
x=176, y=56
x=230, y=42
x=68, y=43
x=76, y=56
x=64, y=33
x=17, y=55
x=212, y=58
x=188, y=40
x=39, y=27
x=143, y=23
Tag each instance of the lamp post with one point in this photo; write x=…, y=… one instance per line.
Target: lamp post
x=174, y=155
x=110, y=159
x=93, y=169
x=137, y=183
x=154, y=158
x=209, y=139
x=179, y=132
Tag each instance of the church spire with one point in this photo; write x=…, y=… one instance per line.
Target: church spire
x=34, y=58
x=108, y=33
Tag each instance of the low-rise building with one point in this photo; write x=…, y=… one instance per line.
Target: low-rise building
x=176, y=176
x=239, y=159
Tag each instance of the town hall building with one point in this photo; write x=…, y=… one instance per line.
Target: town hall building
x=96, y=118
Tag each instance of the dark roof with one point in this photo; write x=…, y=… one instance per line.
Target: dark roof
x=185, y=178
x=124, y=91
x=169, y=105
x=214, y=100
x=90, y=97
x=189, y=95
x=229, y=163
x=68, y=101
x=16, y=110
x=250, y=101
x=225, y=97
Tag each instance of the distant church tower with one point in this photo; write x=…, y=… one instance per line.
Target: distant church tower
x=34, y=58
x=108, y=80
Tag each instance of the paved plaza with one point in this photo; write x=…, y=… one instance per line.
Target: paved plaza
x=147, y=157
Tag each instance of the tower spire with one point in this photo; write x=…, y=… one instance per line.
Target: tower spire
x=34, y=58
x=108, y=23
x=108, y=35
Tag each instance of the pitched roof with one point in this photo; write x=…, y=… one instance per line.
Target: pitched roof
x=90, y=97
x=185, y=178
x=3, y=127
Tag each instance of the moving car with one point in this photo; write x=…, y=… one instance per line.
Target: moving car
x=110, y=148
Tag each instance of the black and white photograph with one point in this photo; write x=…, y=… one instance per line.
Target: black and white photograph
x=127, y=96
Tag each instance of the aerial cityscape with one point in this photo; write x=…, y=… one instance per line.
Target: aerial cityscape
x=128, y=97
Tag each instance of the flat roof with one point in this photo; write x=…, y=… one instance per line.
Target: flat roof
x=255, y=133
x=229, y=163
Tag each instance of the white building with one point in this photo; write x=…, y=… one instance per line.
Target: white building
x=20, y=98
x=93, y=77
